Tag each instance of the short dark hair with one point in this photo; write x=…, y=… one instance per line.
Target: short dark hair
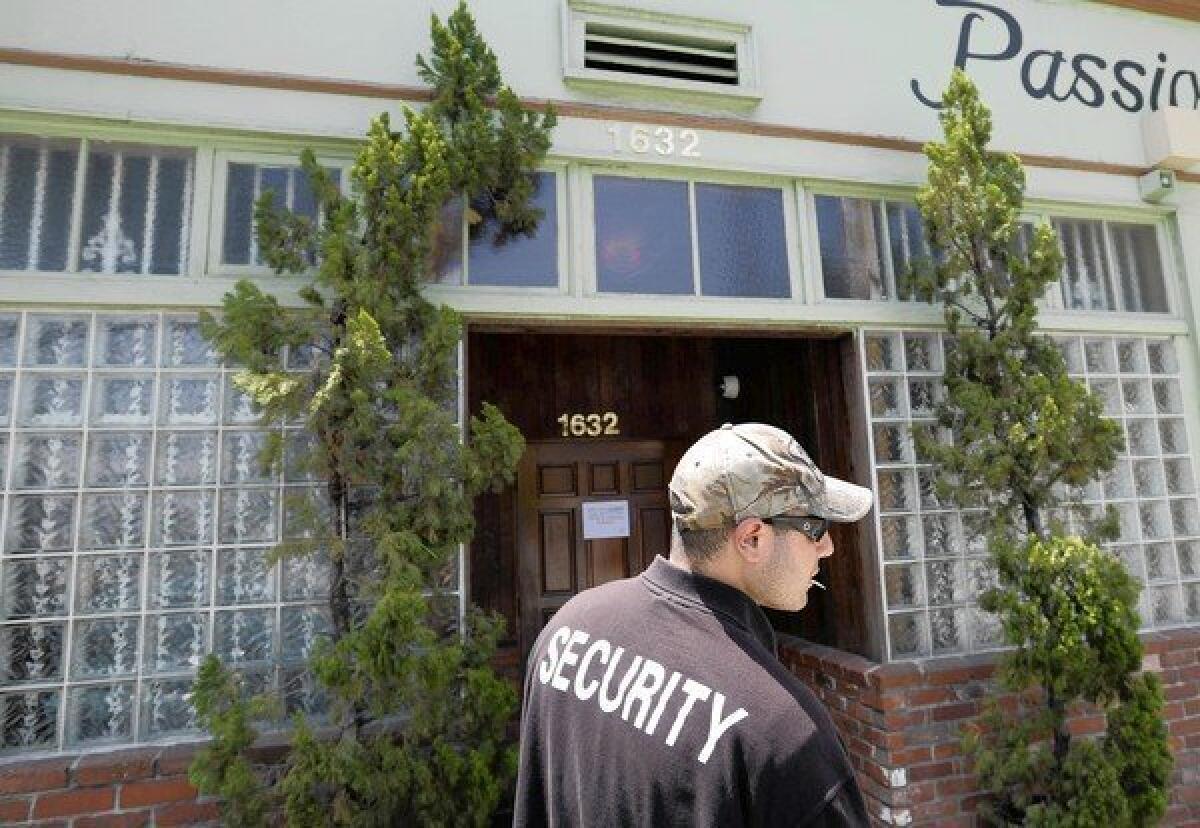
x=702, y=545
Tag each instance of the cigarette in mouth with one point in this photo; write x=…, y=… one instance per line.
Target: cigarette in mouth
x=818, y=583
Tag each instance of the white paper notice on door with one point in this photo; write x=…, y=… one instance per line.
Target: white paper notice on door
x=605, y=519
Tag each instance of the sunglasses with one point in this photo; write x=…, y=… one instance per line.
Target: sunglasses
x=814, y=528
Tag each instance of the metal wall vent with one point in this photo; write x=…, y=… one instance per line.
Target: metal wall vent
x=660, y=54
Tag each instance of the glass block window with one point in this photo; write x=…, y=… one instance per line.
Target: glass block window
x=647, y=230
x=516, y=261
x=136, y=533
x=244, y=184
x=129, y=212
x=935, y=565
x=868, y=246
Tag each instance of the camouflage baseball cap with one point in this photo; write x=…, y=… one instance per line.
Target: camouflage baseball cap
x=755, y=470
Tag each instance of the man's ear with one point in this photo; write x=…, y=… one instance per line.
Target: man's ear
x=751, y=541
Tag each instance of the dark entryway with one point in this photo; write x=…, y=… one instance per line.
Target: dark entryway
x=594, y=407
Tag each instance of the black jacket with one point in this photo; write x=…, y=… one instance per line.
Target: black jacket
x=658, y=700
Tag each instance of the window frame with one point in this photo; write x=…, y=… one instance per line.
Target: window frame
x=84, y=139
x=222, y=158
x=589, y=271
x=563, y=207
x=1034, y=212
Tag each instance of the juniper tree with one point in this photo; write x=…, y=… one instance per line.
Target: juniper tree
x=414, y=727
x=1023, y=435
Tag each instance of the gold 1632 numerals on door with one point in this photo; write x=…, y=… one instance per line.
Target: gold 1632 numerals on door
x=595, y=424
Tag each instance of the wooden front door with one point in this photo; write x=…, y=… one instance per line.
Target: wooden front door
x=555, y=559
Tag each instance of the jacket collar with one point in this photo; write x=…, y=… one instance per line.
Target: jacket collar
x=727, y=602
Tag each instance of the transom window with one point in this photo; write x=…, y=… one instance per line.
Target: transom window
x=655, y=235
x=868, y=246
x=468, y=251
x=245, y=182
x=80, y=205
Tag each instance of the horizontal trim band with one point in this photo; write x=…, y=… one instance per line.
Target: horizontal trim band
x=367, y=89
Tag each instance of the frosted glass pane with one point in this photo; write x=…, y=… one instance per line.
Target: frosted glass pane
x=1160, y=562
x=948, y=632
x=46, y=461
x=166, y=708
x=118, y=459
x=51, y=400
x=943, y=537
x=1085, y=282
x=108, y=583
x=183, y=518
x=122, y=399
x=1168, y=399
x=1098, y=356
x=303, y=694
x=100, y=714
x=10, y=328
x=186, y=458
x=241, y=460
x=302, y=628
x=31, y=653
x=884, y=352
x=306, y=577
x=944, y=582
x=1139, y=267
x=248, y=515
x=1131, y=356
x=903, y=586
x=743, y=250
x=887, y=398
x=1161, y=355
x=244, y=636
x=519, y=261
x=175, y=642
x=1179, y=478
x=924, y=396
x=297, y=461
x=909, y=634
x=892, y=444
x=244, y=576
x=29, y=720
x=895, y=491
x=113, y=521
x=104, y=647
x=36, y=202
x=921, y=353
x=850, y=231
x=900, y=539
x=33, y=587
x=187, y=399
x=184, y=345
x=56, y=341
x=40, y=523
x=6, y=394
x=179, y=578
x=643, y=237
x=240, y=408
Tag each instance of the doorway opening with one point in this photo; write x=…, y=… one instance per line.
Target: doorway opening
x=606, y=416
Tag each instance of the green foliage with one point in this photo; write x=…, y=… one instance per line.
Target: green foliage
x=414, y=731
x=1015, y=437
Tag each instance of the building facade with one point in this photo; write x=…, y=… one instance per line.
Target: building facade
x=729, y=212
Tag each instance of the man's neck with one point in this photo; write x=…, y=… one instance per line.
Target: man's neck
x=717, y=569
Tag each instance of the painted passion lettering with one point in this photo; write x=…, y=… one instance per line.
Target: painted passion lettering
x=636, y=690
x=1091, y=80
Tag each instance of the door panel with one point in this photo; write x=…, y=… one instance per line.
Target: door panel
x=555, y=479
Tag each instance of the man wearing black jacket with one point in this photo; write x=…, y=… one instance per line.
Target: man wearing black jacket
x=658, y=700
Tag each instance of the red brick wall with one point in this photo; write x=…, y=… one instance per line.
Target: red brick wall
x=116, y=789
x=902, y=722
